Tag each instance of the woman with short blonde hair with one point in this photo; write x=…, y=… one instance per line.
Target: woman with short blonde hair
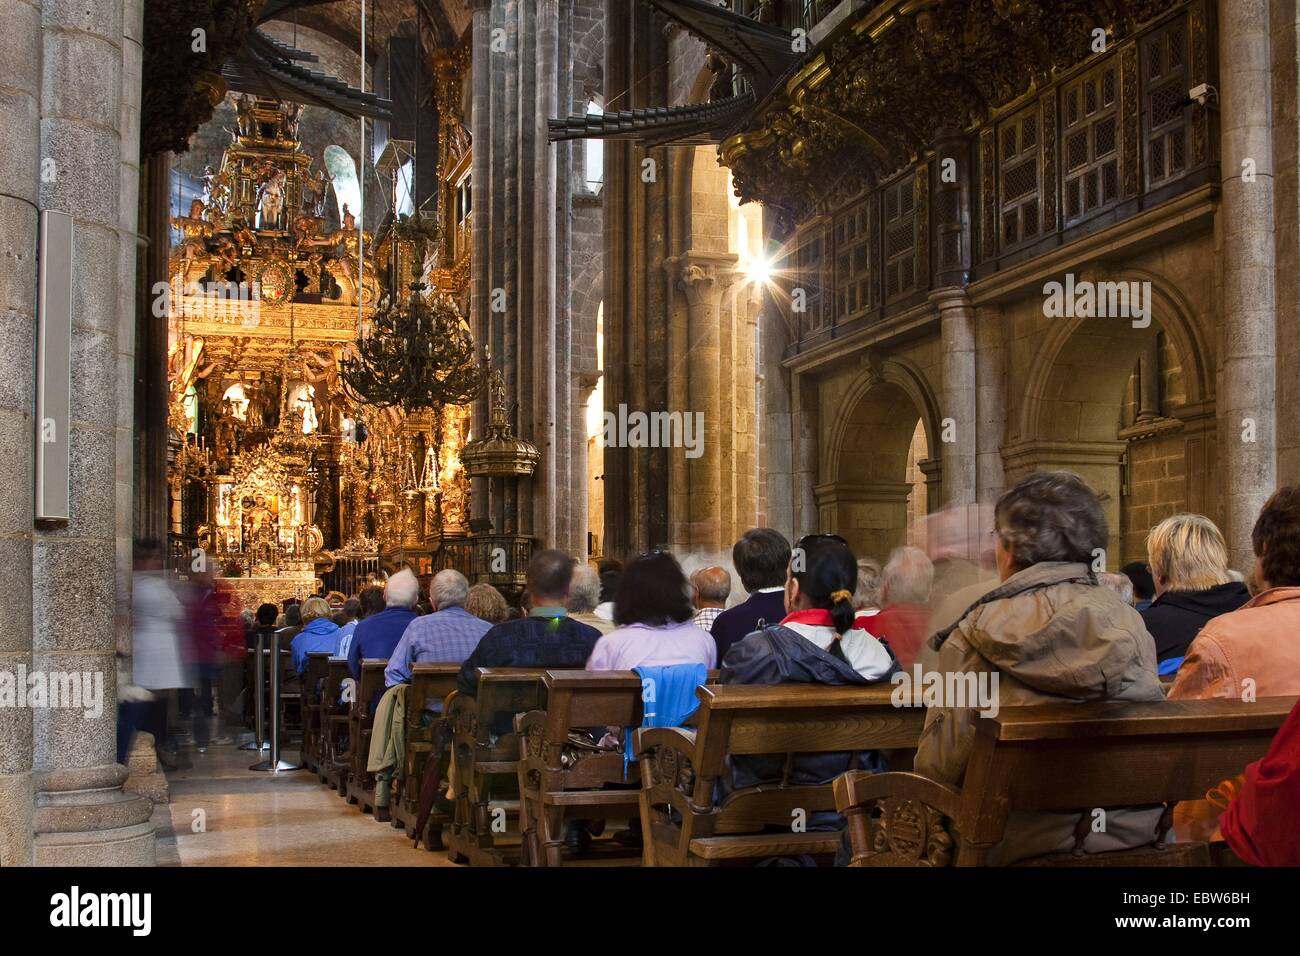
x=1189, y=564
x=1187, y=553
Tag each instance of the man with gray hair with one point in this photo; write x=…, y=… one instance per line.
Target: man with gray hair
x=447, y=636
x=584, y=596
x=710, y=588
x=377, y=635
x=904, y=620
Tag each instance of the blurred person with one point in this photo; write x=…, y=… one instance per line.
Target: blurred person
x=1121, y=584
x=319, y=633
x=584, y=596
x=1260, y=822
x=761, y=557
x=653, y=612
x=267, y=618
x=866, y=596
x=1048, y=633
x=202, y=646
x=904, y=620
x=1189, y=564
x=611, y=572
x=376, y=636
x=547, y=637
x=487, y=604
x=447, y=635
x=1144, y=587
x=158, y=617
x=710, y=588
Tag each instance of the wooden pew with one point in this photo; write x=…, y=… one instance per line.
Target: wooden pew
x=487, y=802
x=335, y=755
x=1065, y=758
x=313, y=685
x=681, y=824
x=361, y=783
x=557, y=781
x=431, y=684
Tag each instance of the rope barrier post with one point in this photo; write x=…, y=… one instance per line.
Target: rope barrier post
x=259, y=677
x=273, y=762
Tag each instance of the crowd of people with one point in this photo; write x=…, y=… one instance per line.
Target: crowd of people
x=1026, y=603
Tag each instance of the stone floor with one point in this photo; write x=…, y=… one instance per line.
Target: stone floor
x=262, y=819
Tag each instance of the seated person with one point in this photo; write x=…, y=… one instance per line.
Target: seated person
x=1189, y=564
x=904, y=619
x=654, y=619
x=376, y=637
x=319, y=633
x=1049, y=633
x=584, y=598
x=547, y=637
x=819, y=641
x=448, y=635
x=761, y=557
x=369, y=603
x=1260, y=822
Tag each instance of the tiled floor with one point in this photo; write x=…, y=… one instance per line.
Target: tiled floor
x=249, y=818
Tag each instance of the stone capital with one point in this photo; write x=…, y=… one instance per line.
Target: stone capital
x=702, y=276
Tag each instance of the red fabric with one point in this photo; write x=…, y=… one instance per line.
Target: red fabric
x=816, y=617
x=1262, y=825
x=903, y=627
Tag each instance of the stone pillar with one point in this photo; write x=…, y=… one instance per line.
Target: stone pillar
x=20, y=154
x=990, y=405
x=806, y=456
x=480, y=285
x=82, y=816
x=1285, y=36
x=1244, y=226
x=703, y=279
x=957, y=322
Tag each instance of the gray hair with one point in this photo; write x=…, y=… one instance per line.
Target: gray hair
x=449, y=589
x=867, y=594
x=712, y=584
x=1051, y=516
x=907, y=577
x=402, y=590
x=584, y=590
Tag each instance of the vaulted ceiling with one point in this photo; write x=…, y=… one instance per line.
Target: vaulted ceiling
x=444, y=21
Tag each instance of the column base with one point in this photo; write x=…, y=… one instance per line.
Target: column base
x=84, y=818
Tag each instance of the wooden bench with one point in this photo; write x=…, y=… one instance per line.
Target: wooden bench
x=335, y=761
x=558, y=781
x=485, y=749
x=1064, y=758
x=681, y=823
x=312, y=694
x=431, y=684
x=361, y=782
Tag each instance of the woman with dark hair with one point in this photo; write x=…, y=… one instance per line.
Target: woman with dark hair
x=1048, y=633
x=652, y=609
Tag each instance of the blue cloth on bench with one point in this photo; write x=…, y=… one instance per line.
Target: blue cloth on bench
x=668, y=696
x=1169, y=666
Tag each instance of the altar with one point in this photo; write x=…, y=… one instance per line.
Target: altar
x=249, y=593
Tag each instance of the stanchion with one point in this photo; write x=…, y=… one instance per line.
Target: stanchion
x=273, y=762
x=259, y=743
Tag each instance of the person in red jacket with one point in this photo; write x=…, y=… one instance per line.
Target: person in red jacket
x=1260, y=822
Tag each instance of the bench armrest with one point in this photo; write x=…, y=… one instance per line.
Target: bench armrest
x=898, y=819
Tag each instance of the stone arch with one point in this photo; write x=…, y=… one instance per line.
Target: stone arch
x=1146, y=447
x=865, y=493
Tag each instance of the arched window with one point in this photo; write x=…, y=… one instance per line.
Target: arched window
x=594, y=161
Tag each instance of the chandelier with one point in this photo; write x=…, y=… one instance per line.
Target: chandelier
x=417, y=352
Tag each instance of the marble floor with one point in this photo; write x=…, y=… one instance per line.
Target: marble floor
x=223, y=814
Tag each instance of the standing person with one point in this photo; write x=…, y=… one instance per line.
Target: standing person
x=584, y=596
x=761, y=557
x=653, y=614
x=904, y=620
x=1189, y=564
x=1048, y=633
x=158, y=617
x=377, y=635
x=447, y=635
x=547, y=637
x=710, y=588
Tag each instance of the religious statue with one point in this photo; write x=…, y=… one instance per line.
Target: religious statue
x=216, y=191
x=247, y=122
x=722, y=86
x=228, y=426
x=196, y=230
x=261, y=531
x=315, y=191
x=270, y=200
x=290, y=116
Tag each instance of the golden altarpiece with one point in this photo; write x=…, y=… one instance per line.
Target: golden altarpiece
x=278, y=474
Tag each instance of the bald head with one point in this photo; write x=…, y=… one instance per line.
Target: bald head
x=712, y=587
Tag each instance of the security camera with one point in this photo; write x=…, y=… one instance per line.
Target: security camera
x=1203, y=94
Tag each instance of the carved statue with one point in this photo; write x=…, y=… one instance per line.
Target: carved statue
x=196, y=229
x=270, y=200
x=289, y=119
x=315, y=191
x=247, y=122
x=722, y=87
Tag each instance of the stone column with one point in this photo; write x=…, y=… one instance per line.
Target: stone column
x=82, y=816
x=20, y=153
x=806, y=457
x=1244, y=226
x=957, y=322
x=480, y=286
x=703, y=278
x=990, y=405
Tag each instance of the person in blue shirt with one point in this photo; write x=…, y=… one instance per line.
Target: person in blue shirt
x=448, y=635
x=319, y=633
x=377, y=636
